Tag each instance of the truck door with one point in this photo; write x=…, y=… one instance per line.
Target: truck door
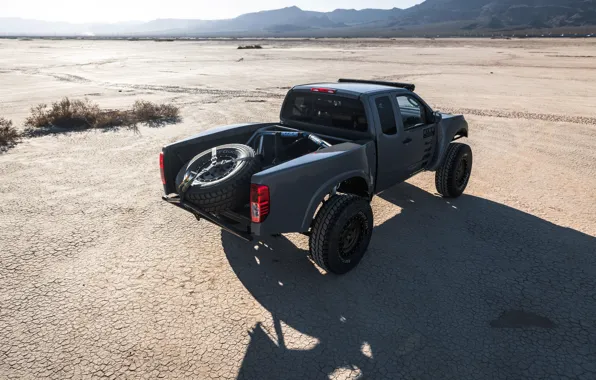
x=392, y=159
x=418, y=134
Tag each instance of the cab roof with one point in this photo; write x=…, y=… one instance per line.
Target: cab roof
x=351, y=88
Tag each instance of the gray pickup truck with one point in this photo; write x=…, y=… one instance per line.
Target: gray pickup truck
x=317, y=169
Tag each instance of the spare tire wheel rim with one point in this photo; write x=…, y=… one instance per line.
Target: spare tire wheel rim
x=219, y=167
x=351, y=236
x=221, y=164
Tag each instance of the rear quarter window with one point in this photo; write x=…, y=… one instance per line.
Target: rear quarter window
x=325, y=109
x=386, y=115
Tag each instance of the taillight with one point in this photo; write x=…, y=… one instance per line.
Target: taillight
x=323, y=90
x=163, y=174
x=259, y=202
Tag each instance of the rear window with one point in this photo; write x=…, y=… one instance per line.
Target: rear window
x=325, y=109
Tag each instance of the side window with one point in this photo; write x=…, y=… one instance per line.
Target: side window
x=412, y=112
x=386, y=115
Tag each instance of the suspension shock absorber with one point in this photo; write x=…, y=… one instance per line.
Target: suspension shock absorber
x=317, y=140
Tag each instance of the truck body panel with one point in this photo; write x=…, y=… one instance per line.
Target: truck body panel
x=297, y=187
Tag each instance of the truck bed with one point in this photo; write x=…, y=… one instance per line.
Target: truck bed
x=297, y=182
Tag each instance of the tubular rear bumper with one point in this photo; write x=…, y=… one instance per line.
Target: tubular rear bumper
x=202, y=214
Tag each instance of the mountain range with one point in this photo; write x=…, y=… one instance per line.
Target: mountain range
x=430, y=15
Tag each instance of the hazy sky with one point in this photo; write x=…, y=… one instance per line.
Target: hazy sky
x=124, y=10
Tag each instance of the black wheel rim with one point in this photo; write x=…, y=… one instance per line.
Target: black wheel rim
x=217, y=169
x=461, y=172
x=351, y=237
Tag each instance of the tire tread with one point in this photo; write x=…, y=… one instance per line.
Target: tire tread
x=324, y=221
x=442, y=176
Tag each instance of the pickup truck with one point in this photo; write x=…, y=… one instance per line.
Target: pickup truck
x=316, y=170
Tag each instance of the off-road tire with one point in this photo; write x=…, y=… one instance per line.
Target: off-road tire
x=448, y=179
x=228, y=193
x=328, y=228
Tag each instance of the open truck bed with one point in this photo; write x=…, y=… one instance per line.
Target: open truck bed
x=292, y=179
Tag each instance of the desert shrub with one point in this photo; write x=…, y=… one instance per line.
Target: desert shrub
x=145, y=111
x=250, y=47
x=82, y=114
x=9, y=136
x=65, y=114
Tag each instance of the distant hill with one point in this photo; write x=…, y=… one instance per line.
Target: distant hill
x=498, y=14
x=431, y=15
x=357, y=17
x=267, y=19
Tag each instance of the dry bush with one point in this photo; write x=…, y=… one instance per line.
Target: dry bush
x=64, y=114
x=9, y=136
x=250, y=47
x=145, y=111
x=82, y=114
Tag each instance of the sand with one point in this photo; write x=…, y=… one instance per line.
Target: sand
x=100, y=278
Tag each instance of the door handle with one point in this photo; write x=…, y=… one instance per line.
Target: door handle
x=407, y=141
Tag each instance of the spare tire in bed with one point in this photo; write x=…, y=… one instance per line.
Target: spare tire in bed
x=222, y=177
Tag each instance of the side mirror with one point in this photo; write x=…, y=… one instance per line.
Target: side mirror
x=437, y=117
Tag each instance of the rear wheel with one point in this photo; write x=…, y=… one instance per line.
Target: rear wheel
x=451, y=179
x=341, y=233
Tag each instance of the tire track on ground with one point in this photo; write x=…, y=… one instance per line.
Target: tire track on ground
x=586, y=120
x=159, y=88
x=200, y=91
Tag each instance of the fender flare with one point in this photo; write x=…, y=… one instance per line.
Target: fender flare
x=462, y=132
x=445, y=136
x=327, y=188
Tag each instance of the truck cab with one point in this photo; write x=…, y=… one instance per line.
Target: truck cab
x=402, y=125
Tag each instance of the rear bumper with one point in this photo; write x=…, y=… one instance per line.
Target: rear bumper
x=202, y=214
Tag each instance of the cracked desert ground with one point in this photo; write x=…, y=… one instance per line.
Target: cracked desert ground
x=99, y=278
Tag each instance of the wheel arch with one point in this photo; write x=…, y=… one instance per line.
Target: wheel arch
x=355, y=185
x=463, y=132
x=450, y=128
x=350, y=183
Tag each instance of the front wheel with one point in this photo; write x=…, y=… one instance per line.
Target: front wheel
x=341, y=233
x=453, y=175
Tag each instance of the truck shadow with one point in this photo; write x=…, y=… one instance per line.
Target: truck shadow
x=467, y=288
